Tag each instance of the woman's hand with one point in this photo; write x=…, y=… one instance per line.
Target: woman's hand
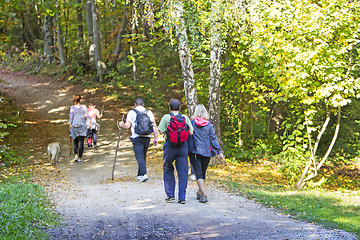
x=221, y=155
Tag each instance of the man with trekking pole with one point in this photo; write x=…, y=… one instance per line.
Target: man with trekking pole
x=142, y=124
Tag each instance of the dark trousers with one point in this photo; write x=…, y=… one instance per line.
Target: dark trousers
x=200, y=164
x=140, y=147
x=79, y=145
x=180, y=156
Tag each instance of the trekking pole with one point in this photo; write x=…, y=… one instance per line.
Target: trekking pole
x=70, y=146
x=117, y=146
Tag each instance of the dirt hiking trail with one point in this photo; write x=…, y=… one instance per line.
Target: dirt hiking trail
x=93, y=207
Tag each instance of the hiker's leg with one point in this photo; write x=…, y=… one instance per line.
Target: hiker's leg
x=146, y=143
x=204, y=165
x=196, y=163
x=94, y=136
x=204, y=162
x=76, y=145
x=182, y=168
x=138, y=147
x=81, y=145
x=168, y=170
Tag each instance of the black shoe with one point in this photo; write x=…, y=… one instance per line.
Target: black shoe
x=170, y=199
x=181, y=201
x=203, y=199
x=198, y=196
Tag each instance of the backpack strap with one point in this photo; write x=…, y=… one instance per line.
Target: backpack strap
x=136, y=111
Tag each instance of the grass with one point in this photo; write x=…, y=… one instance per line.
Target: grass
x=24, y=211
x=332, y=208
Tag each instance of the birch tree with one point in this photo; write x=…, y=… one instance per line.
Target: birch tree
x=185, y=58
x=215, y=66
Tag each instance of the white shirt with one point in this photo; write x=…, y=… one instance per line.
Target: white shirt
x=131, y=117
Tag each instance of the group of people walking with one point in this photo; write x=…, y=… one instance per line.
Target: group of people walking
x=185, y=139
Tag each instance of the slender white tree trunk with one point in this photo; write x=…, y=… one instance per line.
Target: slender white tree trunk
x=215, y=67
x=185, y=59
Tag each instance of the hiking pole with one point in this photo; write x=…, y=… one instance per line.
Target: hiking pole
x=70, y=146
x=117, y=146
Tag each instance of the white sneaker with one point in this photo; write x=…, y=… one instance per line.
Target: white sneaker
x=142, y=178
x=76, y=158
x=192, y=177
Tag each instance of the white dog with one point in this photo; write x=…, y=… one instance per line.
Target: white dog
x=53, y=151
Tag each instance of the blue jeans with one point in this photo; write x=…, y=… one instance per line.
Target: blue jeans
x=140, y=147
x=179, y=155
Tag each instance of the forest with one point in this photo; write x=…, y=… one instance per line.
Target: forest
x=279, y=78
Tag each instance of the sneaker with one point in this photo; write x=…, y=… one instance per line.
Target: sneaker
x=170, y=199
x=198, y=196
x=79, y=160
x=192, y=177
x=142, y=178
x=76, y=158
x=203, y=199
x=181, y=201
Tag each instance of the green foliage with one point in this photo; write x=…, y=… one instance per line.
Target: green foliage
x=24, y=210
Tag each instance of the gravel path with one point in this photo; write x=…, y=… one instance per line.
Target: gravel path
x=95, y=208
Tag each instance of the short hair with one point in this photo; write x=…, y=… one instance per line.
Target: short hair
x=174, y=105
x=200, y=111
x=139, y=102
x=76, y=98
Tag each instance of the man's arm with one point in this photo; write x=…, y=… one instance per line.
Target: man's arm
x=125, y=125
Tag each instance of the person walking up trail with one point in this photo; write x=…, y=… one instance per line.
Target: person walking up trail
x=177, y=128
x=203, y=144
x=92, y=131
x=142, y=123
x=78, y=119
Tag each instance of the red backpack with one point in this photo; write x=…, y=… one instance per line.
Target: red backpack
x=177, y=130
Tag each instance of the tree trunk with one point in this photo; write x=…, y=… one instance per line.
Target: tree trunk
x=119, y=37
x=133, y=23
x=215, y=68
x=48, y=39
x=312, y=161
x=60, y=44
x=89, y=22
x=100, y=66
x=79, y=17
x=185, y=59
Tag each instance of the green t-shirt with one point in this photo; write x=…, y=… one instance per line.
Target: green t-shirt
x=165, y=120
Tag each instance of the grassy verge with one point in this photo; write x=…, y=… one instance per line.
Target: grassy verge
x=24, y=211
x=332, y=208
x=24, y=207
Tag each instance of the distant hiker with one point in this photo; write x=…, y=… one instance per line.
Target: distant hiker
x=203, y=144
x=92, y=131
x=142, y=123
x=177, y=128
x=78, y=119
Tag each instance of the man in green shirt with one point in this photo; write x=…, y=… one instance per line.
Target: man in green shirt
x=172, y=153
